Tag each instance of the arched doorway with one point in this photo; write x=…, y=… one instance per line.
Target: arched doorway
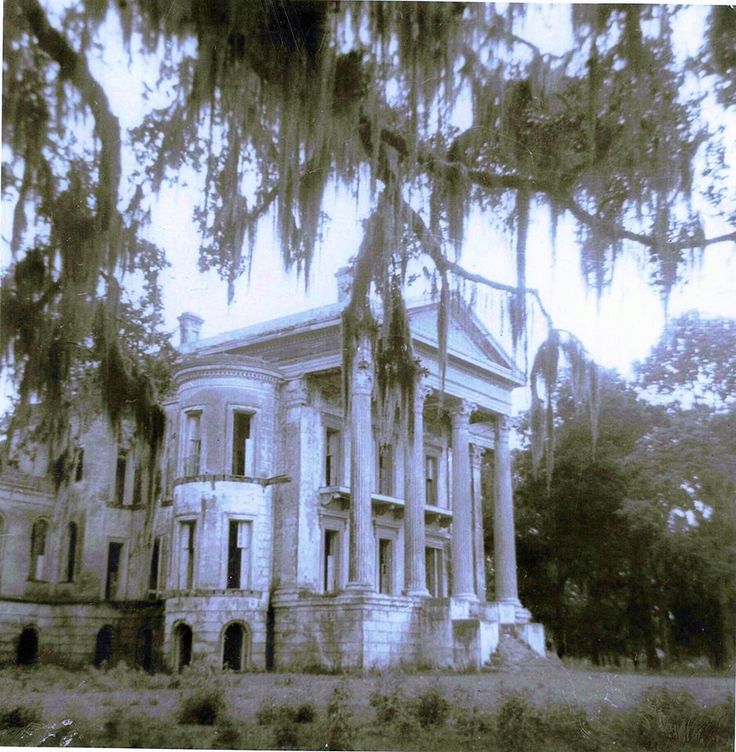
x=103, y=646
x=27, y=652
x=144, y=657
x=182, y=646
x=234, y=647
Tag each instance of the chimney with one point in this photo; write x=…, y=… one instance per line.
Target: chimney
x=189, y=327
x=344, y=277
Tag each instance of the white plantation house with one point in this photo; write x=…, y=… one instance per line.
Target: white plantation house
x=277, y=532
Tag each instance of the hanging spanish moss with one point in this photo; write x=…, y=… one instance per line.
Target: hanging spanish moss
x=584, y=382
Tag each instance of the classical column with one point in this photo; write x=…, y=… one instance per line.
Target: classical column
x=361, y=563
x=462, y=535
x=478, y=538
x=504, y=545
x=288, y=545
x=415, y=574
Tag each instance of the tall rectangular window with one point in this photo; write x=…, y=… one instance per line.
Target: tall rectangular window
x=193, y=443
x=114, y=562
x=154, y=571
x=385, y=566
x=121, y=470
x=79, y=471
x=242, y=448
x=138, y=485
x=331, y=566
x=332, y=457
x=187, y=530
x=239, y=554
x=386, y=470
x=430, y=475
x=435, y=573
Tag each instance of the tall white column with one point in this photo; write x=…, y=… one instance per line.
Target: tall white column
x=479, y=555
x=462, y=535
x=362, y=554
x=415, y=574
x=504, y=545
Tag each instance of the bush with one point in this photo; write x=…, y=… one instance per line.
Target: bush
x=387, y=705
x=285, y=734
x=568, y=724
x=339, y=732
x=664, y=718
x=19, y=717
x=227, y=735
x=517, y=725
x=201, y=707
x=266, y=713
x=431, y=708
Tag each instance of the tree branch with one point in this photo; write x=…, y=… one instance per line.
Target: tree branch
x=73, y=67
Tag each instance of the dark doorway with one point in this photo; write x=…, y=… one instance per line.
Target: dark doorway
x=103, y=646
x=183, y=645
x=233, y=644
x=27, y=653
x=144, y=656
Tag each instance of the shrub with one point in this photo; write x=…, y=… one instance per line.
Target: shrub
x=568, y=724
x=285, y=735
x=431, y=708
x=469, y=721
x=201, y=707
x=517, y=724
x=227, y=735
x=387, y=705
x=339, y=731
x=664, y=718
x=305, y=713
x=19, y=716
x=266, y=713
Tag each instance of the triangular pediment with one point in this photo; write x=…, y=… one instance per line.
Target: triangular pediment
x=467, y=338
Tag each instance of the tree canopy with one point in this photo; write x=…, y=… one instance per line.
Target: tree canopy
x=270, y=101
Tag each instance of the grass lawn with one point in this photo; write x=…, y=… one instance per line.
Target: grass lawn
x=536, y=709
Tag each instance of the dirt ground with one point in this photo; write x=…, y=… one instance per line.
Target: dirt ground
x=66, y=694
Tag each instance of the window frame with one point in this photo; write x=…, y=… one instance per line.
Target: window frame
x=71, y=562
x=33, y=573
x=335, y=478
x=251, y=464
x=121, y=572
x=240, y=518
x=193, y=560
x=185, y=438
x=336, y=522
x=440, y=553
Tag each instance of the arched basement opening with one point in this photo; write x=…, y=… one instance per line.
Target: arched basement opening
x=234, y=642
x=103, y=646
x=27, y=651
x=182, y=646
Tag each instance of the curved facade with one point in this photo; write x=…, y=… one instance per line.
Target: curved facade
x=278, y=531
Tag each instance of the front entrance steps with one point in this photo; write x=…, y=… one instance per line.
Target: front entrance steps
x=513, y=653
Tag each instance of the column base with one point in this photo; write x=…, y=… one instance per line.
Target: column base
x=358, y=587
x=418, y=593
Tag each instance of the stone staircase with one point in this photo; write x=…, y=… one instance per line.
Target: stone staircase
x=512, y=653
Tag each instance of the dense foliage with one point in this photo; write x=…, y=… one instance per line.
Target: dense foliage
x=630, y=550
x=270, y=101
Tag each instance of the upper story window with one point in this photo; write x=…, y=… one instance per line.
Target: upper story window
x=193, y=442
x=79, y=470
x=332, y=457
x=121, y=472
x=242, y=454
x=72, y=541
x=240, y=535
x=39, y=544
x=154, y=572
x=187, y=529
x=114, y=570
x=430, y=475
x=386, y=470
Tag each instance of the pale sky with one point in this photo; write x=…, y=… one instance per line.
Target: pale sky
x=616, y=330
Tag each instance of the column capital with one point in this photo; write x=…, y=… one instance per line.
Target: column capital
x=460, y=413
x=421, y=392
x=476, y=454
x=503, y=427
x=296, y=393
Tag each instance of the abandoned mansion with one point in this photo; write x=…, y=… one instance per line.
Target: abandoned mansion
x=280, y=531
